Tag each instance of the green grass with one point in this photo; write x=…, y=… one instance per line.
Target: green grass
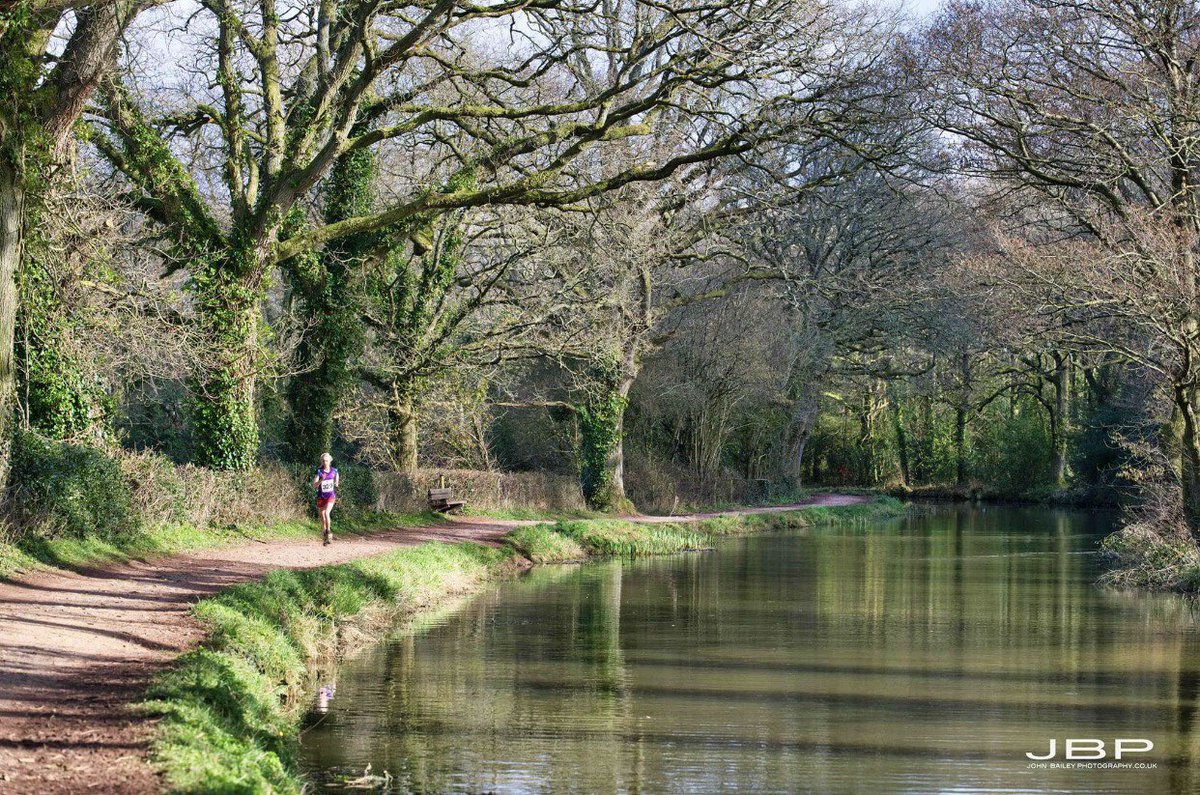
x=542, y=544
x=33, y=552
x=569, y=540
x=619, y=538
x=229, y=712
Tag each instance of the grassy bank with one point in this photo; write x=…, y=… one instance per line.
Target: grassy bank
x=229, y=711
x=1154, y=553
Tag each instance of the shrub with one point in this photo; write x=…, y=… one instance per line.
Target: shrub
x=69, y=489
x=1012, y=454
x=159, y=493
x=357, y=487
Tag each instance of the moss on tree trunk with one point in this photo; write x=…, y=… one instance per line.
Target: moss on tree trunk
x=330, y=299
x=602, y=444
x=229, y=295
x=402, y=418
x=12, y=210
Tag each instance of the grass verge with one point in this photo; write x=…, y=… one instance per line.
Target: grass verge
x=229, y=712
x=569, y=540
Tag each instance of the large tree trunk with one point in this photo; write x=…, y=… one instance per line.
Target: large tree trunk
x=312, y=402
x=229, y=297
x=1060, y=418
x=804, y=417
x=901, y=439
x=602, y=440
x=328, y=354
x=960, y=446
x=402, y=419
x=12, y=218
x=325, y=357
x=960, y=419
x=1186, y=399
x=40, y=108
x=923, y=470
x=866, y=440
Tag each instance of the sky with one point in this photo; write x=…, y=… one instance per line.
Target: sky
x=921, y=8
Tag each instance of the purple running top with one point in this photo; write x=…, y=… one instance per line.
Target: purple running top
x=326, y=483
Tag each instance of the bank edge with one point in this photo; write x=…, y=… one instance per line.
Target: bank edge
x=228, y=713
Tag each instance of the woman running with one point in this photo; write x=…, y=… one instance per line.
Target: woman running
x=326, y=482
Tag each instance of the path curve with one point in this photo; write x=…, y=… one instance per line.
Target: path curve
x=78, y=648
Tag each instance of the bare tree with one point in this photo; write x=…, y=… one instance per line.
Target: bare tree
x=1084, y=116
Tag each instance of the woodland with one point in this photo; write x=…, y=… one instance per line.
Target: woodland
x=720, y=251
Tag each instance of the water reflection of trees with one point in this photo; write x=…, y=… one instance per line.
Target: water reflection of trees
x=942, y=648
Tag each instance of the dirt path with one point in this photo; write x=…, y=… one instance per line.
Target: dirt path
x=77, y=648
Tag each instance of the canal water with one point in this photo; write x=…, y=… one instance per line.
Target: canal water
x=927, y=654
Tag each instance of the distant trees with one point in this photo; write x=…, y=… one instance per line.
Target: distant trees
x=1083, y=117
x=745, y=243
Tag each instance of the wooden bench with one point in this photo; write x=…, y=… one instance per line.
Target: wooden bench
x=442, y=500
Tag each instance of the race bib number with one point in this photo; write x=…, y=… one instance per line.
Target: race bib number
x=327, y=486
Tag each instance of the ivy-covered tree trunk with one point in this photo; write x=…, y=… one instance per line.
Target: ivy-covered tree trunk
x=960, y=446
x=57, y=394
x=229, y=296
x=402, y=422
x=12, y=214
x=326, y=353
x=58, y=400
x=866, y=441
x=1187, y=405
x=414, y=315
x=1060, y=418
x=602, y=438
x=325, y=357
x=312, y=400
x=961, y=410
x=40, y=100
x=901, y=433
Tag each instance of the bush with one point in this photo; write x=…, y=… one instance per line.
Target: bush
x=1012, y=454
x=69, y=489
x=357, y=487
x=159, y=493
